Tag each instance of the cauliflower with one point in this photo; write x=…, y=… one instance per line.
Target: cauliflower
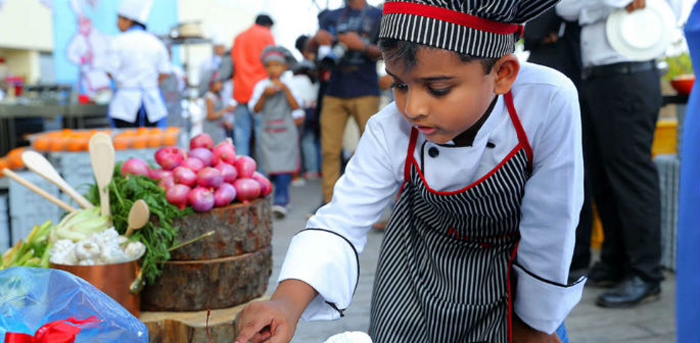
x=87, y=263
x=135, y=250
x=63, y=252
x=112, y=254
x=87, y=250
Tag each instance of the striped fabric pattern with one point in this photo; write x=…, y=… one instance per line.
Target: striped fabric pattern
x=443, y=273
x=461, y=39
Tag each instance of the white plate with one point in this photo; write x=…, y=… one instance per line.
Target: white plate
x=642, y=34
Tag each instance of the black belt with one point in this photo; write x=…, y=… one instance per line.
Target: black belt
x=617, y=68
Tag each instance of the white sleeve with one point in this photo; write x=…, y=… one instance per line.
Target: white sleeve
x=325, y=254
x=589, y=11
x=257, y=93
x=550, y=213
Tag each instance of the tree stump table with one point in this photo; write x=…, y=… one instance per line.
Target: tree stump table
x=189, y=327
x=222, y=271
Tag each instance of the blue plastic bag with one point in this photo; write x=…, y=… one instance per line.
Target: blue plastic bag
x=32, y=297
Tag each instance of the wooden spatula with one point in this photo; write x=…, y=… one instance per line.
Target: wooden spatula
x=102, y=158
x=138, y=216
x=40, y=165
x=22, y=181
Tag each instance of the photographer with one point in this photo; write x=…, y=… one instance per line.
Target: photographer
x=346, y=43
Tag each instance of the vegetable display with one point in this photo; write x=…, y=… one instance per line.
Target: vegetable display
x=207, y=176
x=157, y=235
x=34, y=252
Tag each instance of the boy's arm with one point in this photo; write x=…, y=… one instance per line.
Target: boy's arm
x=257, y=99
x=325, y=254
x=291, y=99
x=550, y=211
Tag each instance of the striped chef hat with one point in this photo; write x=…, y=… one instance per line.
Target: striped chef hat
x=479, y=28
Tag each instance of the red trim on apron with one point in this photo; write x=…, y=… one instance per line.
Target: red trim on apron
x=522, y=139
x=510, y=297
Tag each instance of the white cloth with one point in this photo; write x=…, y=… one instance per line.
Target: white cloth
x=592, y=14
x=547, y=106
x=136, y=60
x=137, y=10
x=306, y=89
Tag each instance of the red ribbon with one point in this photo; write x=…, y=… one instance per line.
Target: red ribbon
x=58, y=331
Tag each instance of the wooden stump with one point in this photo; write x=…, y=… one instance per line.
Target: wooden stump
x=186, y=327
x=240, y=229
x=209, y=284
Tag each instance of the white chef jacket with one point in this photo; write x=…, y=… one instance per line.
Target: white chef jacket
x=592, y=15
x=136, y=60
x=547, y=106
x=286, y=78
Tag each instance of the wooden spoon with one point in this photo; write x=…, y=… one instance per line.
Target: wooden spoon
x=138, y=216
x=102, y=158
x=22, y=181
x=40, y=165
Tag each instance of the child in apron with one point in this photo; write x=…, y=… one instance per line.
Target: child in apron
x=277, y=138
x=486, y=155
x=216, y=110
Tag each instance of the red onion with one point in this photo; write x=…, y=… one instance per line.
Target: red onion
x=135, y=166
x=158, y=174
x=246, y=189
x=201, y=140
x=201, y=199
x=169, y=157
x=192, y=163
x=265, y=184
x=166, y=182
x=185, y=176
x=209, y=178
x=246, y=166
x=228, y=171
x=202, y=154
x=224, y=152
x=177, y=195
x=224, y=195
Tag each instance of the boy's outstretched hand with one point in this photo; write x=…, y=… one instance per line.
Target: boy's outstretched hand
x=275, y=320
x=522, y=333
x=266, y=321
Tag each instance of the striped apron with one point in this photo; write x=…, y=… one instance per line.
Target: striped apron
x=444, y=267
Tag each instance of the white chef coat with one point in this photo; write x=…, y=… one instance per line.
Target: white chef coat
x=286, y=78
x=136, y=60
x=592, y=14
x=547, y=106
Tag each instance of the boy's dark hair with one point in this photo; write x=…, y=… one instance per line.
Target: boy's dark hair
x=264, y=20
x=395, y=49
x=300, y=43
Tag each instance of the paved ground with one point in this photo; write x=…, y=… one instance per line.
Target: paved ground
x=649, y=323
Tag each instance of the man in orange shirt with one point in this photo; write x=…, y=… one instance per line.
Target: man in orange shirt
x=248, y=70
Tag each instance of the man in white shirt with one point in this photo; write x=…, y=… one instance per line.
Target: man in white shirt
x=138, y=61
x=620, y=100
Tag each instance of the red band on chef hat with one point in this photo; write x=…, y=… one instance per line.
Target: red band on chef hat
x=455, y=17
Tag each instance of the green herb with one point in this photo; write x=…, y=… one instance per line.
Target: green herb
x=158, y=235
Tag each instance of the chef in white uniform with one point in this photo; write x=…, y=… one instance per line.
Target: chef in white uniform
x=481, y=236
x=138, y=61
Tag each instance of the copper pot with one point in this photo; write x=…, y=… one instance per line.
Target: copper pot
x=112, y=279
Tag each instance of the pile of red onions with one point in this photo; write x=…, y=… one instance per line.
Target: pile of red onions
x=207, y=176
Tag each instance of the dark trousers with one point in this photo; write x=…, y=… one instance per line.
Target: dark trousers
x=619, y=119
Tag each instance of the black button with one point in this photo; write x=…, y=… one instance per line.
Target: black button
x=433, y=152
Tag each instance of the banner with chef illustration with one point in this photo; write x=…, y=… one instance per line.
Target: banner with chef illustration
x=82, y=30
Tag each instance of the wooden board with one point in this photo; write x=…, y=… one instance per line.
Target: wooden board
x=209, y=284
x=187, y=327
x=240, y=229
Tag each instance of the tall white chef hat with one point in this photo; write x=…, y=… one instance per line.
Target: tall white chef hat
x=136, y=10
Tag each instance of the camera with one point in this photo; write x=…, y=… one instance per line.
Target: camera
x=332, y=56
